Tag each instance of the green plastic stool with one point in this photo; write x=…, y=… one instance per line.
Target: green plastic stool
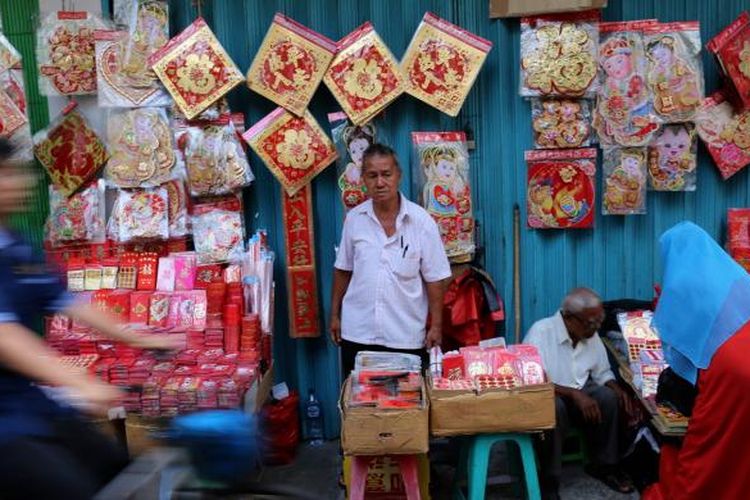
x=582, y=454
x=474, y=460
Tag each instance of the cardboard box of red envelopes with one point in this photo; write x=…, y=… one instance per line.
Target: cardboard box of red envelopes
x=374, y=431
x=491, y=410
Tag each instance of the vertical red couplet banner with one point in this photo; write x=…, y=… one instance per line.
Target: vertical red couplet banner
x=300, y=260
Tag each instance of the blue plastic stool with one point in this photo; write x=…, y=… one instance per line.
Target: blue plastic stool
x=474, y=460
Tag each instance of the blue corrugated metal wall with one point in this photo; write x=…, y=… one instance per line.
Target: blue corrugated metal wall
x=618, y=258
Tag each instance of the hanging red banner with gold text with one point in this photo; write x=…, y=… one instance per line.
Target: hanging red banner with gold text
x=300, y=262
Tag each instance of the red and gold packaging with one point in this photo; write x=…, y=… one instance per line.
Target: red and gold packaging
x=158, y=310
x=364, y=77
x=300, y=259
x=126, y=276
x=442, y=62
x=147, y=270
x=732, y=49
x=70, y=151
x=295, y=149
x=195, y=69
x=206, y=274
x=290, y=64
x=140, y=304
x=118, y=305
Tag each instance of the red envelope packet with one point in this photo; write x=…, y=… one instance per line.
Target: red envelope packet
x=147, y=271
x=453, y=367
x=100, y=300
x=140, y=304
x=118, y=305
x=209, y=273
x=159, y=310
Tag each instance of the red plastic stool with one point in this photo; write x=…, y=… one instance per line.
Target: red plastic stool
x=407, y=465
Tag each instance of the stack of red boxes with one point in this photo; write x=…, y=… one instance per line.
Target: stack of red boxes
x=250, y=339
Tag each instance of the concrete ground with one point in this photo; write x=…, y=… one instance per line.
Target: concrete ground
x=316, y=469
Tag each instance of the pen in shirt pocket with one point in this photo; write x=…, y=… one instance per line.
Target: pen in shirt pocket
x=406, y=248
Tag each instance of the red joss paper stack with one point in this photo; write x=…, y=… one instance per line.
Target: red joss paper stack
x=250, y=339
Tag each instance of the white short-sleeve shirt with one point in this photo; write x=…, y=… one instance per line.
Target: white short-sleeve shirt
x=386, y=301
x=566, y=365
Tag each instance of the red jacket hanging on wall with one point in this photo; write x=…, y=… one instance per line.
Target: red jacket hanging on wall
x=472, y=310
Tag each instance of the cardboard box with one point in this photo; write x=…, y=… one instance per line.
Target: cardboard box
x=373, y=431
x=519, y=8
x=456, y=413
x=259, y=391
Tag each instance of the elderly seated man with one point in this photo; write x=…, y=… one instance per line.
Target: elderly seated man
x=586, y=393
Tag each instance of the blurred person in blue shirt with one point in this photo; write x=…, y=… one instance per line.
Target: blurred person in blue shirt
x=47, y=450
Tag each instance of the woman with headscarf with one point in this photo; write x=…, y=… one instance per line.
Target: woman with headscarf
x=703, y=318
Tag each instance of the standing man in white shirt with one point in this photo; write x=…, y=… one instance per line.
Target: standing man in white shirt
x=390, y=270
x=586, y=393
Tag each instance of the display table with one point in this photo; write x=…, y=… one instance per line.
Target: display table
x=665, y=421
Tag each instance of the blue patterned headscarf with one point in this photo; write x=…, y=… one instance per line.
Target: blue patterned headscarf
x=705, y=298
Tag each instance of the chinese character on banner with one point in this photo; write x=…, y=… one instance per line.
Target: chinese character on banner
x=442, y=62
x=195, y=69
x=295, y=149
x=300, y=259
x=364, y=77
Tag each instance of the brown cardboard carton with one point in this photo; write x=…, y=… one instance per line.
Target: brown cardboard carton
x=456, y=413
x=370, y=431
x=519, y=8
x=264, y=389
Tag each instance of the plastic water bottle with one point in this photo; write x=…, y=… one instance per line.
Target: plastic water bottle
x=314, y=420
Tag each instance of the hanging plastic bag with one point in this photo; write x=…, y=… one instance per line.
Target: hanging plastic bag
x=66, y=53
x=624, y=181
x=195, y=68
x=290, y=63
x=12, y=84
x=441, y=175
x=731, y=50
x=178, y=208
x=673, y=158
x=624, y=107
x=218, y=230
x=351, y=141
x=674, y=70
x=561, y=123
x=78, y=218
x=215, y=159
x=725, y=132
x=140, y=214
x=560, y=192
x=141, y=148
x=442, y=62
x=364, y=76
x=558, y=54
x=121, y=87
